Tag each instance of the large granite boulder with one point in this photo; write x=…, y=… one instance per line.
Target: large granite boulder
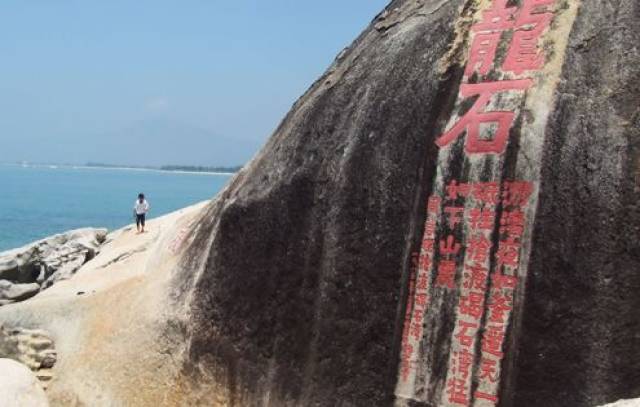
x=448, y=216
x=19, y=387
x=32, y=268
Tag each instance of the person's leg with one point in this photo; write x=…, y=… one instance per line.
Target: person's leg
x=142, y=219
x=138, y=222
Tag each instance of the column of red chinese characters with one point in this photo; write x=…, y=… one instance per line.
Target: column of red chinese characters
x=407, y=348
x=481, y=222
x=418, y=298
x=504, y=279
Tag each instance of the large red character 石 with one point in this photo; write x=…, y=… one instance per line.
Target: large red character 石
x=476, y=116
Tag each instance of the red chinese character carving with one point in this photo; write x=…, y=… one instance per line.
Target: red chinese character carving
x=492, y=341
x=512, y=223
x=516, y=193
x=498, y=307
x=475, y=277
x=501, y=281
x=446, y=274
x=465, y=360
x=429, y=229
x=482, y=219
x=479, y=247
x=462, y=336
x=508, y=253
x=487, y=192
x=449, y=247
x=476, y=116
x=421, y=300
x=488, y=370
x=454, y=190
x=533, y=19
x=425, y=261
x=423, y=282
x=483, y=53
x=416, y=330
x=472, y=305
x=454, y=214
x=492, y=398
x=457, y=391
x=427, y=245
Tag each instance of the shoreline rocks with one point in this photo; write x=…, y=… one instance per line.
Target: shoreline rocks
x=37, y=266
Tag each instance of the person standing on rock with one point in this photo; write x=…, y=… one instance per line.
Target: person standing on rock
x=140, y=209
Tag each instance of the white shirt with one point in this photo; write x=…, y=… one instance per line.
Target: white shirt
x=141, y=208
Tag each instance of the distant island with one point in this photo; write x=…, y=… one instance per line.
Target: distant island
x=192, y=168
x=175, y=168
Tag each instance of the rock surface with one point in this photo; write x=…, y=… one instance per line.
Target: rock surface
x=32, y=268
x=624, y=403
x=19, y=387
x=118, y=334
x=302, y=265
x=10, y=292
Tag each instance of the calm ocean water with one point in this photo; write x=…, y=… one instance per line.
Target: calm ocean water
x=36, y=202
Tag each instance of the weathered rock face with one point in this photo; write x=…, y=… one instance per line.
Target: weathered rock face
x=302, y=272
x=26, y=271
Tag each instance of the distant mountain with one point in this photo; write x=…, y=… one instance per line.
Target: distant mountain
x=158, y=141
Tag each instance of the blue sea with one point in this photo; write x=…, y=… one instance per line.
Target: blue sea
x=39, y=201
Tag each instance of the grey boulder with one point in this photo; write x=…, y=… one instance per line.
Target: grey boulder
x=10, y=292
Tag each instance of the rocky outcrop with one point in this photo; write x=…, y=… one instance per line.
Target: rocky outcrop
x=19, y=387
x=119, y=338
x=26, y=271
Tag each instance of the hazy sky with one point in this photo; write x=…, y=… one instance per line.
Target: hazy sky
x=160, y=82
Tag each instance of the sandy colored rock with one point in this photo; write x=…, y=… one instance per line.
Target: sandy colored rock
x=116, y=334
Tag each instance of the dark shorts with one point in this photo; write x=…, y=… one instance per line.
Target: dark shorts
x=140, y=219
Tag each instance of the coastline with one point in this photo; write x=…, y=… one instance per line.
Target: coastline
x=87, y=167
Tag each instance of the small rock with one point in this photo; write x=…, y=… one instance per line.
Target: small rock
x=31, y=347
x=17, y=292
